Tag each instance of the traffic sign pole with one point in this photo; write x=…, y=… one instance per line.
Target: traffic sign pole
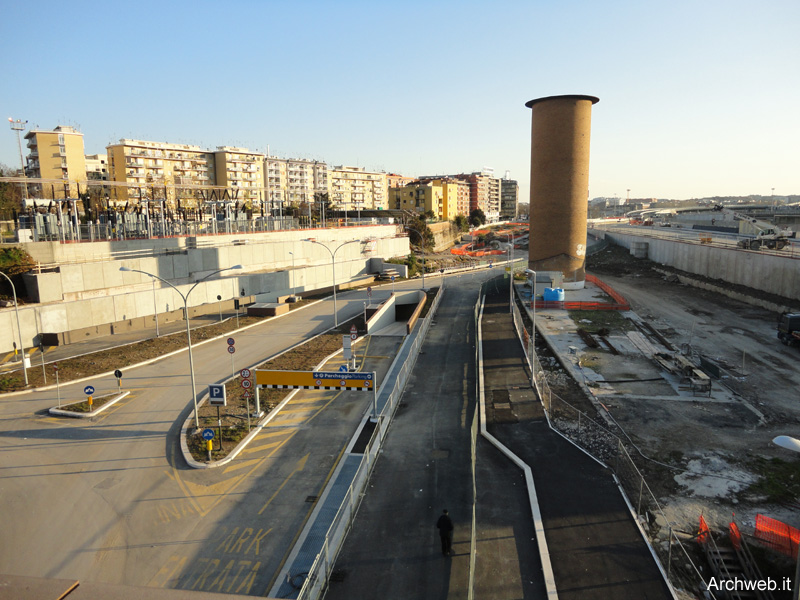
x=58, y=387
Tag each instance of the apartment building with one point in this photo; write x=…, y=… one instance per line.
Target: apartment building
x=418, y=197
x=146, y=166
x=452, y=190
x=484, y=193
x=355, y=188
x=58, y=156
x=242, y=171
x=293, y=180
x=509, y=198
x=395, y=180
x=96, y=167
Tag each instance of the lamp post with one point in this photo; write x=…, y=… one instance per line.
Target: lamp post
x=333, y=267
x=155, y=307
x=532, y=274
x=188, y=328
x=510, y=237
x=790, y=443
x=422, y=238
x=19, y=329
x=291, y=277
x=20, y=126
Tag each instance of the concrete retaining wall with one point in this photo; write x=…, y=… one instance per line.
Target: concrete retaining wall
x=770, y=273
x=89, y=295
x=444, y=236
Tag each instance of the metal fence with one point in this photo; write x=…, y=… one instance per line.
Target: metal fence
x=595, y=437
x=317, y=579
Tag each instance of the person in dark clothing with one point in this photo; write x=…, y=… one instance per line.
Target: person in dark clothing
x=445, y=527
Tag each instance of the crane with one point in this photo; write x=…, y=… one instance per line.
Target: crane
x=769, y=235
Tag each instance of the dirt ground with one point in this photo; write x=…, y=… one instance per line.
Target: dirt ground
x=722, y=451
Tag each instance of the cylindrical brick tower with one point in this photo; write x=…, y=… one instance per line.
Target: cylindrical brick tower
x=560, y=185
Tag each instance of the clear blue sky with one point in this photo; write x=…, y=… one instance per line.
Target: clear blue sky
x=697, y=97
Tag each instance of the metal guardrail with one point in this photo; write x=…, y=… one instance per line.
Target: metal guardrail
x=597, y=440
x=316, y=582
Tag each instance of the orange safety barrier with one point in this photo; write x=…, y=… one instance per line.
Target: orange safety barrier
x=703, y=532
x=619, y=301
x=735, y=535
x=777, y=535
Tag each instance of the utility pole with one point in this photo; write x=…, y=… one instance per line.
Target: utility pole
x=19, y=126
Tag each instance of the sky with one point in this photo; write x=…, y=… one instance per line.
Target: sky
x=697, y=98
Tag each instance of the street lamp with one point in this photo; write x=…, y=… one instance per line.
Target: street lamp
x=790, y=443
x=333, y=267
x=422, y=238
x=510, y=237
x=531, y=273
x=188, y=329
x=20, y=126
x=19, y=329
x=291, y=276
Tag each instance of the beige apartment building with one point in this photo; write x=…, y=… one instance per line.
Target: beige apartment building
x=58, y=156
x=395, y=180
x=355, y=188
x=242, y=172
x=290, y=181
x=97, y=167
x=150, y=170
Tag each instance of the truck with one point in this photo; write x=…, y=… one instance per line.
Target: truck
x=769, y=235
x=789, y=328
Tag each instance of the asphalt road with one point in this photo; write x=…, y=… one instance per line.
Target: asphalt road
x=393, y=549
x=111, y=499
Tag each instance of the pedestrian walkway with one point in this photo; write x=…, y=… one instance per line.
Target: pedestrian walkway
x=595, y=547
x=313, y=539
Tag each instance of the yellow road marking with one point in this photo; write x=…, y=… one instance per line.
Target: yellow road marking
x=235, y=466
x=205, y=498
x=299, y=467
x=251, y=448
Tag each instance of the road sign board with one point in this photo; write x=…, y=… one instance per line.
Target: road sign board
x=369, y=292
x=246, y=383
x=88, y=390
x=246, y=394
x=208, y=434
x=231, y=341
x=353, y=336
x=310, y=380
x=231, y=349
x=216, y=395
x=118, y=374
x=490, y=264
x=353, y=328
x=392, y=278
x=343, y=369
x=245, y=373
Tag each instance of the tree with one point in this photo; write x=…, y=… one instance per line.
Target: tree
x=477, y=218
x=419, y=230
x=429, y=214
x=461, y=223
x=10, y=194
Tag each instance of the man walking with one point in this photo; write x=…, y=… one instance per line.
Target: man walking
x=445, y=527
